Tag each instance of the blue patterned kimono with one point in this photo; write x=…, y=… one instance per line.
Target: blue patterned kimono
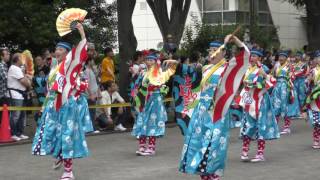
x=259, y=121
x=206, y=141
x=40, y=88
x=65, y=117
x=301, y=89
x=135, y=84
x=282, y=92
x=294, y=108
x=186, y=83
x=63, y=131
x=235, y=115
x=301, y=71
x=313, y=100
x=152, y=114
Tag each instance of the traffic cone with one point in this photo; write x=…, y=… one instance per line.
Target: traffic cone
x=5, y=130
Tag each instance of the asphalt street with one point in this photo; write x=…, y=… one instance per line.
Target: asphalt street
x=113, y=158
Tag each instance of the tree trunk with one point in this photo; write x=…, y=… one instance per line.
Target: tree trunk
x=313, y=24
x=178, y=16
x=127, y=42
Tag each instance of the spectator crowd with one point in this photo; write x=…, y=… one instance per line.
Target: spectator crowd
x=22, y=86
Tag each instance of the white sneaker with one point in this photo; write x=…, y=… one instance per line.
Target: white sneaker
x=16, y=138
x=258, y=158
x=23, y=137
x=140, y=151
x=245, y=157
x=148, y=152
x=96, y=132
x=316, y=145
x=120, y=128
x=285, y=131
x=67, y=176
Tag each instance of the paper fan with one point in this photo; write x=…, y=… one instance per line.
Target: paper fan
x=68, y=19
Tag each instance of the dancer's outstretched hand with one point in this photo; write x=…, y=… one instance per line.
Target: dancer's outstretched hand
x=79, y=26
x=170, y=62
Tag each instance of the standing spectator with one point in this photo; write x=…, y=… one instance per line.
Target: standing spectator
x=107, y=66
x=40, y=79
x=17, y=86
x=5, y=57
x=108, y=115
x=93, y=90
x=46, y=56
x=169, y=46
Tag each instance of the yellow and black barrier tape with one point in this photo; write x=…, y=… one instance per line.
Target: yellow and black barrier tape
x=34, y=108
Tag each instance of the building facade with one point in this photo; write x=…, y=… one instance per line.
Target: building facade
x=284, y=16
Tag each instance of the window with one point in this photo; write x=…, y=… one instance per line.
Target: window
x=215, y=5
x=229, y=17
x=243, y=17
x=212, y=5
x=244, y=5
x=263, y=5
x=264, y=18
x=225, y=4
x=212, y=18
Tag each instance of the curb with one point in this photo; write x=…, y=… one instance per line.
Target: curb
x=29, y=141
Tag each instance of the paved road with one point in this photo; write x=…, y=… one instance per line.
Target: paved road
x=113, y=158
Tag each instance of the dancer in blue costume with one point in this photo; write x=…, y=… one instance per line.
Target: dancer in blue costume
x=65, y=116
x=301, y=72
x=282, y=94
x=206, y=141
x=152, y=115
x=294, y=107
x=313, y=101
x=186, y=83
x=259, y=121
x=235, y=114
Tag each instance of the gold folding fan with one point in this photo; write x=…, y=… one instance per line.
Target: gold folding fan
x=68, y=19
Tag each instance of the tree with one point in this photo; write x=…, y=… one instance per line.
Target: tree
x=173, y=24
x=198, y=35
x=101, y=21
x=313, y=20
x=127, y=41
x=30, y=24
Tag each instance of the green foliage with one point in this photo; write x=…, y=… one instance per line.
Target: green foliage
x=197, y=36
x=30, y=24
x=265, y=36
x=297, y=3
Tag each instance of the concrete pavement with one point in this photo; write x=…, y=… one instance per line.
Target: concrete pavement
x=113, y=158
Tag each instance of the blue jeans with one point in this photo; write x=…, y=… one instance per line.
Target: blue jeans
x=17, y=118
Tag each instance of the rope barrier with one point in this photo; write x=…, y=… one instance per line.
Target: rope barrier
x=23, y=108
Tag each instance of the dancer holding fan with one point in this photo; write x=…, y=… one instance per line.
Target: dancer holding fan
x=206, y=140
x=283, y=94
x=65, y=116
x=259, y=121
x=313, y=101
x=152, y=116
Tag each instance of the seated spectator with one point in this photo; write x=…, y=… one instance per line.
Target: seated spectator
x=17, y=86
x=114, y=115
